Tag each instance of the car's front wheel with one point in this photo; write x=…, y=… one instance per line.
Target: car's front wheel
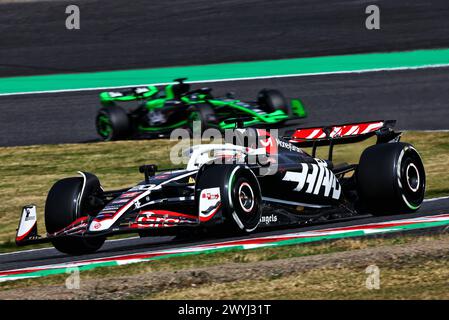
x=236, y=192
x=62, y=208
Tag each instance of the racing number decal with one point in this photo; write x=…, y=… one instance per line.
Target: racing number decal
x=315, y=179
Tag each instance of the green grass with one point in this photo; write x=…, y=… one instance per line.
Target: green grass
x=27, y=173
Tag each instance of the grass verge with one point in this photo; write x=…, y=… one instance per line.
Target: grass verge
x=409, y=281
x=411, y=267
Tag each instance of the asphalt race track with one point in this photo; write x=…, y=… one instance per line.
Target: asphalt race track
x=40, y=257
x=121, y=34
x=418, y=99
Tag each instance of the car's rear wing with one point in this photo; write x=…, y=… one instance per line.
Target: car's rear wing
x=344, y=134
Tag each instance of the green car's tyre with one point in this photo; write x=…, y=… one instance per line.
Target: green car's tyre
x=113, y=123
x=272, y=100
x=202, y=113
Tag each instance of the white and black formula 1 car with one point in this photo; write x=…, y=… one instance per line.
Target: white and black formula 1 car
x=235, y=196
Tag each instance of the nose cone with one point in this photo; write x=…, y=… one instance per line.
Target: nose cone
x=114, y=210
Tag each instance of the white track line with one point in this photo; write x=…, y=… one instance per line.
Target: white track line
x=24, y=251
x=436, y=130
x=235, y=79
x=48, y=248
x=436, y=199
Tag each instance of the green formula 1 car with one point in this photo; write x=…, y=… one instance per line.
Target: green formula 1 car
x=157, y=111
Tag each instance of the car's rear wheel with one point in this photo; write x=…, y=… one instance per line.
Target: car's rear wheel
x=391, y=179
x=113, y=123
x=271, y=100
x=62, y=209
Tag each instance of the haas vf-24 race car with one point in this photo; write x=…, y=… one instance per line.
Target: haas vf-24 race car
x=234, y=194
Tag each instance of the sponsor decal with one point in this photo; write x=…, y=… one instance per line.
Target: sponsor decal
x=119, y=201
x=27, y=222
x=315, y=179
x=210, y=200
x=101, y=217
x=29, y=216
x=130, y=194
x=269, y=219
x=289, y=146
x=142, y=187
x=191, y=180
x=162, y=176
x=210, y=196
x=151, y=219
x=111, y=208
x=97, y=225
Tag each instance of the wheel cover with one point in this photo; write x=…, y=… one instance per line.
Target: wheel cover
x=104, y=126
x=195, y=116
x=412, y=177
x=244, y=201
x=246, y=197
